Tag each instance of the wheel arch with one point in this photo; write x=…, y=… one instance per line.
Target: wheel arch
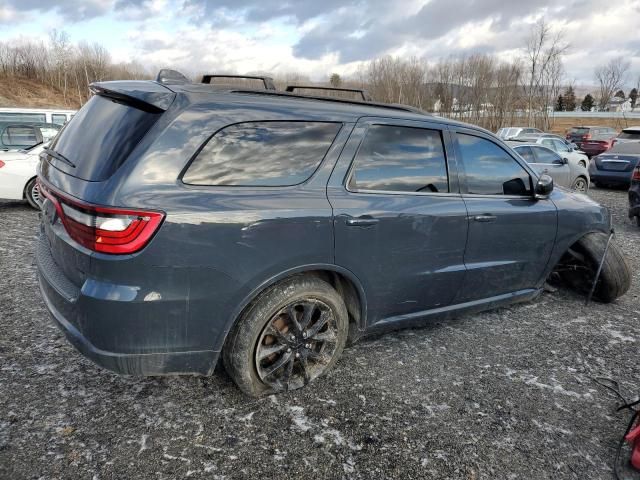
x=344, y=281
x=26, y=184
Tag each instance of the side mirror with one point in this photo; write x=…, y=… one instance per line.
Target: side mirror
x=544, y=187
x=565, y=160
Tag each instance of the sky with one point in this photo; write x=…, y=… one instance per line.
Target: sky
x=319, y=37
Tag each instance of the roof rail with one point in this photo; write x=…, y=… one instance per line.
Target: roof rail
x=267, y=81
x=392, y=106
x=365, y=95
x=166, y=76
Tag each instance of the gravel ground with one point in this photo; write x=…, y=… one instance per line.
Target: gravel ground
x=504, y=394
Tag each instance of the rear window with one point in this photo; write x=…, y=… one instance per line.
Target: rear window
x=630, y=134
x=579, y=131
x=270, y=154
x=19, y=136
x=100, y=137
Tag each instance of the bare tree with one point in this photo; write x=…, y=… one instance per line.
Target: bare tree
x=544, y=50
x=610, y=77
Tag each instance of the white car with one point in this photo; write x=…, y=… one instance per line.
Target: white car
x=566, y=173
x=18, y=175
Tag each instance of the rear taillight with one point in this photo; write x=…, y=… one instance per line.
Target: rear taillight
x=636, y=174
x=104, y=229
x=586, y=137
x=1, y=164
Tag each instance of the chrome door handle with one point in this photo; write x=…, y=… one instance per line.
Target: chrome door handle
x=361, y=222
x=484, y=218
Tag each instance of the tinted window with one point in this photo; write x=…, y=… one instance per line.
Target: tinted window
x=560, y=146
x=544, y=155
x=262, y=153
x=23, y=117
x=401, y=159
x=489, y=170
x=526, y=153
x=59, y=118
x=579, y=130
x=15, y=136
x=101, y=137
x=630, y=134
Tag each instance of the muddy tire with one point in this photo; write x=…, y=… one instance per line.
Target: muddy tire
x=615, y=277
x=580, y=185
x=32, y=194
x=291, y=334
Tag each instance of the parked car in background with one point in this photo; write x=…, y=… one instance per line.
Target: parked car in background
x=561, y=146
x=592, y=140
x=568, y=174
x=615, y=166
x=505, y=133
x=18, y=136
x=629, y=134
x=187, y=222
x=36, y=115
x=634, y=195
x=18, y=175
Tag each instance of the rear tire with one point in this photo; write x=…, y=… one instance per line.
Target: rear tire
x=32, y=194
x=302, y=321
x=580, y=185
x=615, y=277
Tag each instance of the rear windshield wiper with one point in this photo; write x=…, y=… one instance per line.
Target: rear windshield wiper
x=60, y=157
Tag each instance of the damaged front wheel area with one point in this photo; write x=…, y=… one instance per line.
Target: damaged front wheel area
x=579, y=266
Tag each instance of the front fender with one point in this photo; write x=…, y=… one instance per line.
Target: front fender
x=578, y=215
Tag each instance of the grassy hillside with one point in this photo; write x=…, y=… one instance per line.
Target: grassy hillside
x=562, y=124
x=22, y=92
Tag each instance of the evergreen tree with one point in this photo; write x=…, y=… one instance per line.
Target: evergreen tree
x=560, y=104
x=587, y=103
x=569, y=99
x=335, y=80
x=620, y=94
x=633, y=95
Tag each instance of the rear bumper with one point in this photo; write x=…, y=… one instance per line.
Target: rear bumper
x=607, y=176
x=62, y=298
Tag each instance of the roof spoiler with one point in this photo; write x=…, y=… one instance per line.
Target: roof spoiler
x=363, y=93
x=144, y=95
x=266, y=81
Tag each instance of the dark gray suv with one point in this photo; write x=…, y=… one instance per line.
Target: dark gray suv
x=184, y=221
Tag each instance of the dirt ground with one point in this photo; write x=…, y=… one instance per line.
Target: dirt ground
x=505, y=394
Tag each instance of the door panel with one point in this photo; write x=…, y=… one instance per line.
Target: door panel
x=510, y=237
x=406, y=247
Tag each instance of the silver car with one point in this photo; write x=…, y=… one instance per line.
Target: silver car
x=628, y=135
x=565, y=173
x=562, y=147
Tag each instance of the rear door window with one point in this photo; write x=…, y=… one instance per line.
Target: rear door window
x=544, y=155
x=526, y=153
x=19, y=136
x=400, y=159
x=269, y=154
x=101, y=137
x=490, y=170
x=59, y=118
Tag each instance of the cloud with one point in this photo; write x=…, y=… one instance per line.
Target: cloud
x=71, y=10
x=317, y=37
